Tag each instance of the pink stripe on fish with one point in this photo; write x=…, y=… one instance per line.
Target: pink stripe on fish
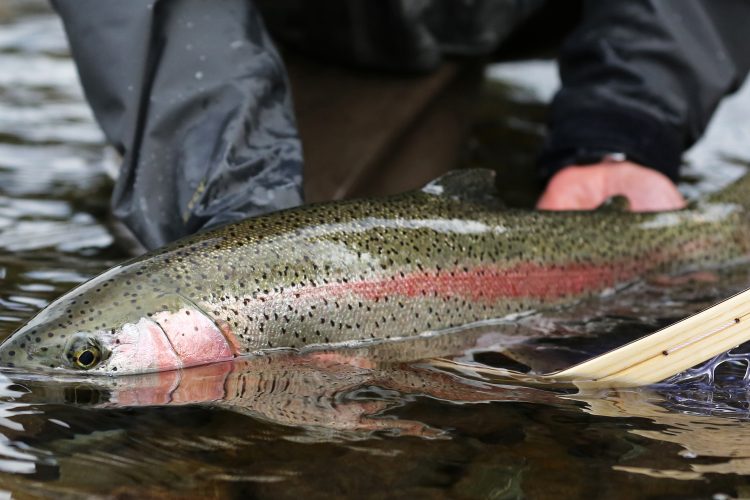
x=486, y=283
x=194, y=337
x=490, y=283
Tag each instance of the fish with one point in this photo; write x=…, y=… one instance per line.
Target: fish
x=361, y=272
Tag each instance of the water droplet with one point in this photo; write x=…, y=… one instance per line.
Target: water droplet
x=199, y=75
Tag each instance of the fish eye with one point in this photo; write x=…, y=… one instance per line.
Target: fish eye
x=84, y=352
x=87, y=358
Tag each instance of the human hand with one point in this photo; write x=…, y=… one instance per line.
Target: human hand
x=586, y=187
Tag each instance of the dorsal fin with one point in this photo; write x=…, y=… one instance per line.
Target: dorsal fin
x=472, y=185
x=616, y=203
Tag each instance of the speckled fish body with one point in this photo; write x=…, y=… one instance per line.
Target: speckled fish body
x=363, y=271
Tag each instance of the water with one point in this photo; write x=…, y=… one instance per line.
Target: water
x=285, y=427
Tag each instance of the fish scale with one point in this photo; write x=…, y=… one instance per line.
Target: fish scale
x=364, y=271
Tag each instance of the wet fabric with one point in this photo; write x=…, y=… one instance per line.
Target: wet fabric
x=640, y=77
x=194, y=96
x=395, y=35
x=644, y=77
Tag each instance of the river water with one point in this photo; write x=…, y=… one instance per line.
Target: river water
x=297, y=428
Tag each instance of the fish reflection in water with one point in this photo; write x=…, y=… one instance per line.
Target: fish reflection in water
x=321, y=397
x=334, y=397
x=342, y=390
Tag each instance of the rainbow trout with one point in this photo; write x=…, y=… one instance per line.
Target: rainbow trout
x=359, y=272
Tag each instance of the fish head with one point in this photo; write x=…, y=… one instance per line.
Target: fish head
x=130, y=347
x=123, y=328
